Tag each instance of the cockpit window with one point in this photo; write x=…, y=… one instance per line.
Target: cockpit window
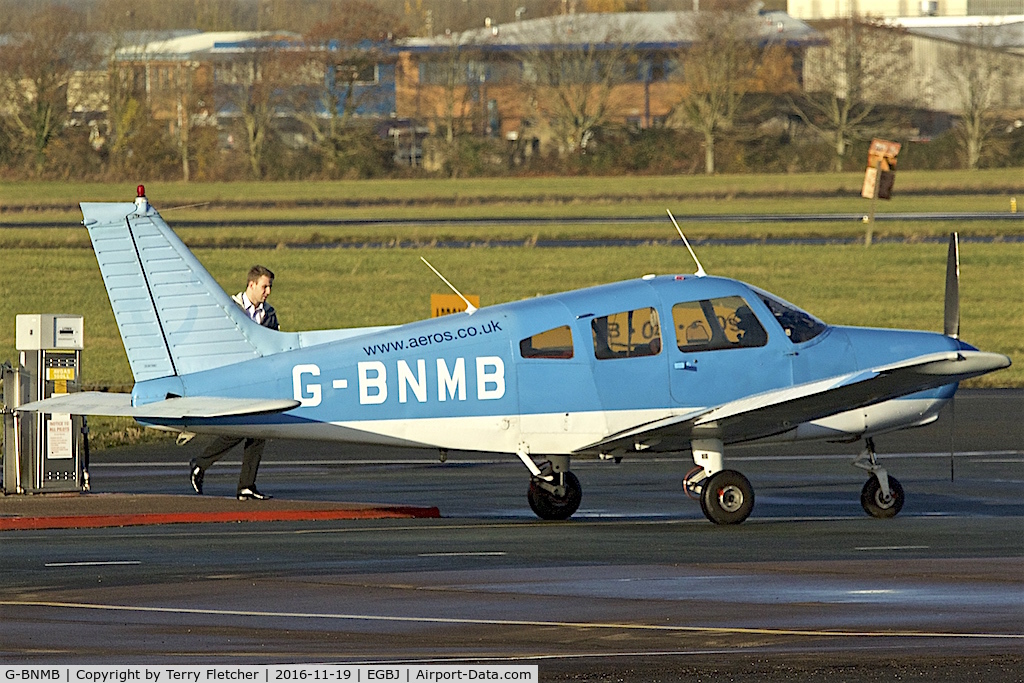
x=715, y=324
x=800, y=326
x=555, y=343
x=629, y=334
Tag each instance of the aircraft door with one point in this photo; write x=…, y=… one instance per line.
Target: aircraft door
x=721, y=350
x=629, y=362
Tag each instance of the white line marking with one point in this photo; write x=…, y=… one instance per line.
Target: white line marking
x=90, y=564
x=512, y=622
x=893, y=547
x=492, y=553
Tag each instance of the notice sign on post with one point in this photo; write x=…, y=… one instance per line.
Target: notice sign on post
x=881, y=172
x=446, y=304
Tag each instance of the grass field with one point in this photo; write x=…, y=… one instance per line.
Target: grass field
x=473, y=190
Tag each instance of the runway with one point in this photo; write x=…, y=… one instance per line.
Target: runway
x=637, y=586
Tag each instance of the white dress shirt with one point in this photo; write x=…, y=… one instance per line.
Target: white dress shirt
x=256, y=312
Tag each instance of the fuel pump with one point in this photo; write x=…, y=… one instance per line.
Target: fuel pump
x=43, y=452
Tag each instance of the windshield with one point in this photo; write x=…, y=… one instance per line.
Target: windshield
x=800, y=326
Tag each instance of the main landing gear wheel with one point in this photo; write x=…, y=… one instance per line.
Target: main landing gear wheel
x=875, y=504
x=546, y=505
x=727, y=497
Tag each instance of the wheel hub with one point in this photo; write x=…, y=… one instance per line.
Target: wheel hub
x=730, y=498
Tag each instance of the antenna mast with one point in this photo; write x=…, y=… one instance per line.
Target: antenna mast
x=700, y=269
x=470, y=308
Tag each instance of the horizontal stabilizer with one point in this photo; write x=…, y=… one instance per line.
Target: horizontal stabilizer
x=184, y=407
x=778, y=411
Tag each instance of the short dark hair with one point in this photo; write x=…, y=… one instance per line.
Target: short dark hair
x=258, y=271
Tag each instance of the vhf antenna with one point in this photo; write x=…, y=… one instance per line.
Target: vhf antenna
x=470, y=308
x=700, y=269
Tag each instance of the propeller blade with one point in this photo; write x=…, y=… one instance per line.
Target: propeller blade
x=951, y=326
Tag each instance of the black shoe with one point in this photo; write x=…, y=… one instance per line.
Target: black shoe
x=196, y=476
x=252, y=494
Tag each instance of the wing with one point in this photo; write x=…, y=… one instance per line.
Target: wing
x=120, y=405
x=777, y=411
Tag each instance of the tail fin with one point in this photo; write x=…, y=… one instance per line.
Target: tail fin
x=173, y=317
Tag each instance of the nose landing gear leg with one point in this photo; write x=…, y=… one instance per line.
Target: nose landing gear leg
x=555, y=492
x=882, y=495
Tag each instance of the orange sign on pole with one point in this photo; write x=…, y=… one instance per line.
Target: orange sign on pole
x=881, y=172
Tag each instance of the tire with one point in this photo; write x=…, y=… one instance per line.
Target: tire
x=550, y=507
x=727, y=498
x=871, y=498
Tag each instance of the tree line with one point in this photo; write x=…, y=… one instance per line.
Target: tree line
x=739, y=107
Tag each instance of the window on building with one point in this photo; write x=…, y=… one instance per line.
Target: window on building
x=355, y=73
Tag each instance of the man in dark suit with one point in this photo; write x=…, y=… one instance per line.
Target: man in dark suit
x=254, y=302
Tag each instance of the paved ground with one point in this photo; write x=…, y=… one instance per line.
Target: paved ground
x=638, y=586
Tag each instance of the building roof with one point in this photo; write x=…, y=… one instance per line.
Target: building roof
x=1000, y=32
x=644, y=29
x=199, y=44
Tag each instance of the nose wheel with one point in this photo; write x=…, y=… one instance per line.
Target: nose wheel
x=882, y=495
x=876, y=503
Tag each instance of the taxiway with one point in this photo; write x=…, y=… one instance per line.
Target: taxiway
x=636, y=586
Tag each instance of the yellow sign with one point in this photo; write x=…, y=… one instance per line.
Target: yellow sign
x=67, y=374
x=446, y=304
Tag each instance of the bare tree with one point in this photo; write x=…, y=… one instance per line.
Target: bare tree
x=36, y=69
x=191, y=94
x=975, y=77
x=127, y=110
x=717, y=71
x=570, y=80
x=339, y=67
x=450, y=103
x=863, y=67
x=251, y=86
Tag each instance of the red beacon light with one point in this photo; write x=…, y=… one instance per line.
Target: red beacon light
x=141, y=203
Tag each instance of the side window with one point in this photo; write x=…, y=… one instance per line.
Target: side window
x=693, y=330
x=799, y=325
x=716, y=324
x=629, y=334
x=556, y=343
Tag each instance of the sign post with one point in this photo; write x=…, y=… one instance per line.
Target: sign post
x=879, y=177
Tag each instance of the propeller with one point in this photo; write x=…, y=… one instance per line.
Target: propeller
x=951, y=326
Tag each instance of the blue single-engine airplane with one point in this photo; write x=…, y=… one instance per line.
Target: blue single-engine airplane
x=657, y=364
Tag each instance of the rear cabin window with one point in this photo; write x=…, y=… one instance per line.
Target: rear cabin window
x=556, y=343
x=629, y=334
x=716, y=324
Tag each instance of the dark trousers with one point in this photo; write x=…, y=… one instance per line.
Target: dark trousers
x=251, y=457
